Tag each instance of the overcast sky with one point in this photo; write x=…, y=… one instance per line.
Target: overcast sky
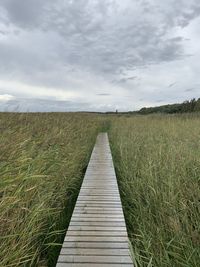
x=98, y=55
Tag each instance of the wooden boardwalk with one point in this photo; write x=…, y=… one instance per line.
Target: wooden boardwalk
x=97, y=233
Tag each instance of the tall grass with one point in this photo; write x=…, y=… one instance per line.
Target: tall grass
x=42, y=159
x=157, y=159
x=42, y=162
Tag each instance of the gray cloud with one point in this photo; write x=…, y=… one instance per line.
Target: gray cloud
x=190, y=90
x=43, y=105
x=103, y=94
x=24, y=13
x=172, y=84
x=71, y=45
x=90, y=37
x=124, y=80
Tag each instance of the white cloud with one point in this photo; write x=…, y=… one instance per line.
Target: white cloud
x=36, y=91
x=6, y=97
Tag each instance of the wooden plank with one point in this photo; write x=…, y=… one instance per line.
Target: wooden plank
x=99, y=219
x=94, y=251
x=91, y=215
x=97, y=198
x=62, y=264
x=99, y=186
x=99, y=211
x=95, y=259
x=95, y=239
x=97, y=235
x=98, y=208
x=97, y=194
x=89, y=245
x=110, y=202
x=98, y=190
x=98, y=223
x=96, y=228
x=98, y=205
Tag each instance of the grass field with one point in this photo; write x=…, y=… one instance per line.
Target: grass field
x=42, y=162
x=158, y=167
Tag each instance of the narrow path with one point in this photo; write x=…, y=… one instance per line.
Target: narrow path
x=97, y=233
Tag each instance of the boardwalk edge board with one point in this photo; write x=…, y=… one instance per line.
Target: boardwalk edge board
x=97, y=235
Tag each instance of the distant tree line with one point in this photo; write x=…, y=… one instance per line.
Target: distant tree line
x=192, y=105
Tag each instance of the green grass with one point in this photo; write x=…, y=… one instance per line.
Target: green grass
x=157, y=159
x=42, y=161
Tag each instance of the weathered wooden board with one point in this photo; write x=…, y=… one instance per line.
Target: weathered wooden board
x=97, y=235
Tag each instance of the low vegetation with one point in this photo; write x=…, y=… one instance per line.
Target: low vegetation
x=192, y=105
x=157, y=160
x=42, y=162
